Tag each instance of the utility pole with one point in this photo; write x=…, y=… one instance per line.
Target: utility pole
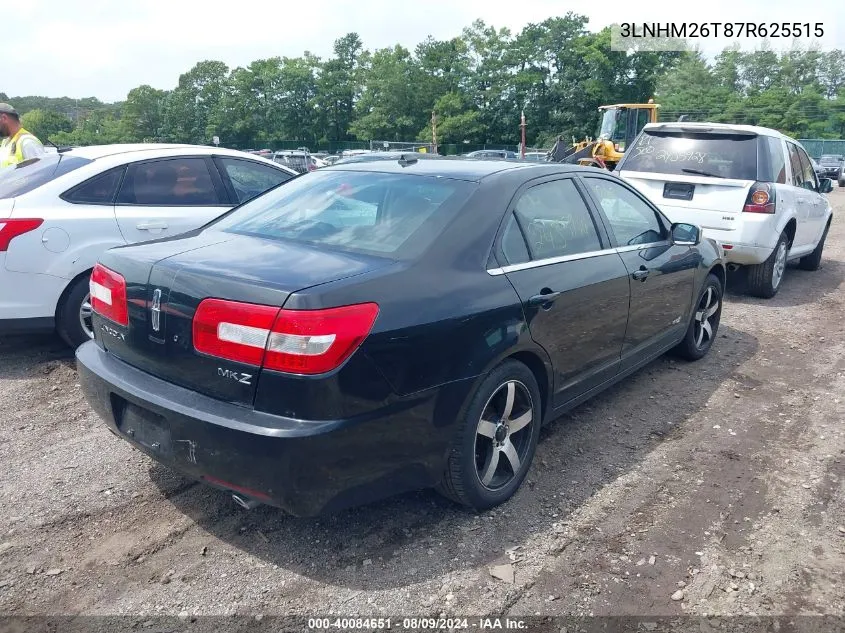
x=522, y=125
x=434, y=131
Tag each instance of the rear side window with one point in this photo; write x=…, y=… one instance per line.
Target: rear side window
x=360, y=211
x=808, y=174
x=97, y=190
x=169, y=182
x=27, y=176
x=695, y=154
x=556, y=221
x=513, y=243
x=795, y=165
x=250, y=179
x=777, y=162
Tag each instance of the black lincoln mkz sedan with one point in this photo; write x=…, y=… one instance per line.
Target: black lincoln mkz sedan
x=370, y=329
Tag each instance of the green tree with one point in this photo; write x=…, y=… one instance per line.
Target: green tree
x=189, y=107
x=45, y=124
x=340, y=85
x=388, y=106
x=832, y=72
x=457, y=121
x=99, y=127
x=143, y=114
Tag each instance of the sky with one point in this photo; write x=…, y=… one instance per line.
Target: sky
x=103, y=48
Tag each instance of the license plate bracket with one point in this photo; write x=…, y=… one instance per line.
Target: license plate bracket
x=145, y=428
x=678, y=190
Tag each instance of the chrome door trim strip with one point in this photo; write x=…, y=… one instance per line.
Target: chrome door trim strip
x=501, y=270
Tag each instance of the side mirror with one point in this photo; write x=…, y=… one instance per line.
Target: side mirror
x=825, y=185
x=686, y=234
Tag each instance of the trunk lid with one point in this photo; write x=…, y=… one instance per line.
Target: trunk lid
x=711, y=203
x=6, y=207
x=166, y=281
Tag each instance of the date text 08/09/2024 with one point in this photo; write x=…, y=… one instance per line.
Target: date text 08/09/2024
x=417, y=624
x=721, y=29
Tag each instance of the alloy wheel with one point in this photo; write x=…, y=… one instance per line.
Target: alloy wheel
x=780, y=265
x=503, y=436
x=705, y=317
x=85, y=314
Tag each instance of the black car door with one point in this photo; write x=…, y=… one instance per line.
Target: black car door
x=662, y=274
x=573, y=286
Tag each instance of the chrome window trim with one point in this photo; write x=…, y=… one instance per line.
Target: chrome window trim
x=636, y=247
x=501, y=270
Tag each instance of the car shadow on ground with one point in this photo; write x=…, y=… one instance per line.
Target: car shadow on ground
x=420, y=536
x=23, y=356
x=791, y=293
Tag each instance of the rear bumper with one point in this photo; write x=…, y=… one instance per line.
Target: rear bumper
x=28, y=296
x=307, y=468
x=742, y=254
x=736, y=246
x=746, y=238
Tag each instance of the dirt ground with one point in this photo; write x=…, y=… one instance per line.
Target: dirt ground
x=705, y=488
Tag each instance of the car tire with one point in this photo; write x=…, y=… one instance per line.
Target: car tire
x=480, y=471
x=842, y=183
x=69, y=322
x=764, y=280
x=704, y=322
x=814, y=260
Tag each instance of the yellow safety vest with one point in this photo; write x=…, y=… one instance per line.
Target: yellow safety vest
x=11, y=149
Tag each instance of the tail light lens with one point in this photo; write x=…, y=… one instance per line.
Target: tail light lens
x=761, y=198
x=291, y=341
x=317, y=341
x=108, y=295
x=10, y=229
x=232, y=330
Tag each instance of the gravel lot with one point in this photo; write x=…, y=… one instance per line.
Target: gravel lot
x=707, y=488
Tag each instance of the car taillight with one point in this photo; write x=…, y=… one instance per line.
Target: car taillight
x=317, y=341
x=10, y=229
x=108, y=295
x=291, y=341
x=761, y=198
x=232, y=330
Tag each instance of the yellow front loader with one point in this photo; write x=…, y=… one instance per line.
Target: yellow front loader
x=620, y=124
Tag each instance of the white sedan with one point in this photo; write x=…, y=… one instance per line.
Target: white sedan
x=60, y=213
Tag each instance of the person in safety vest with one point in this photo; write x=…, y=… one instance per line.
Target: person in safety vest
x=17, y=144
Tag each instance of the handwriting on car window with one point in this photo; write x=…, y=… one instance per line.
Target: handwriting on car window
x=680, y=157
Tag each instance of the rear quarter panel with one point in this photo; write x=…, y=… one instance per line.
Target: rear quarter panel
x=442, y=318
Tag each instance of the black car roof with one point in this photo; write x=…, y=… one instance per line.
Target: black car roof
x=459, y=168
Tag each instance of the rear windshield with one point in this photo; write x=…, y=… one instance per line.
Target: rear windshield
x=694, y=154
x=24, y=177
x=359, y=211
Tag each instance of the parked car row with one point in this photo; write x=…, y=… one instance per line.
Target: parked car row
x=422, y=314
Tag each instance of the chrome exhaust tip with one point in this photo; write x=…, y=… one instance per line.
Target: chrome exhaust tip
x=245, y=502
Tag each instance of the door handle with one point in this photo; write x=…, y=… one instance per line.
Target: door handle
x=641, y=274
x=543, y=298
x=149, y=226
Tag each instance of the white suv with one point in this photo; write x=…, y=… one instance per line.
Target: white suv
x=752, y=189
x=59, y=213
